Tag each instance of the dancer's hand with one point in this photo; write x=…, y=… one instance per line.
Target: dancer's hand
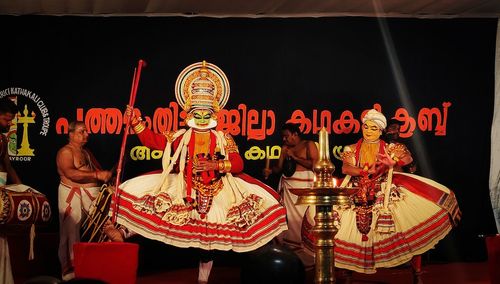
x=385, y=159
x=131, y=113
x=204, y=166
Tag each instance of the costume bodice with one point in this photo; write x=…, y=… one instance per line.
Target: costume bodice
x=201, y=143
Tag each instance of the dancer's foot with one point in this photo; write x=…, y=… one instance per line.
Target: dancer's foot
x=417, y=279
x=68, y=274
x=204, y=271
x=416, y=268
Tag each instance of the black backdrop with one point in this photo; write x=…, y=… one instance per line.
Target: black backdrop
x=63, y=66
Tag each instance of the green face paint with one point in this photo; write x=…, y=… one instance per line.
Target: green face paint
x=202, y=117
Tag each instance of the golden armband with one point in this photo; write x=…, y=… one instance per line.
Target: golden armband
x=398, y=161
x=227, y=166
x=139, y=127
x=220, y=166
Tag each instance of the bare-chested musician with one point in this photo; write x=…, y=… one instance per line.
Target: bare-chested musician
x=81, y=178
x=296, y=162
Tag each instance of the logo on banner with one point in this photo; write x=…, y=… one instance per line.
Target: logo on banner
x=32, y=120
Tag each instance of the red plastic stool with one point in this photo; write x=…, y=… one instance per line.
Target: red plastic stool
x=493, y=246
x=111, y=262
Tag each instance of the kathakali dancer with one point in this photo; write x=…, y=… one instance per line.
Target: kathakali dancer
x=201, y=199
x=394, y=215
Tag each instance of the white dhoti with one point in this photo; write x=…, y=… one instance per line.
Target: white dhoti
x=73, y=204
x=295, y=215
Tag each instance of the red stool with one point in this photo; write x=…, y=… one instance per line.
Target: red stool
x=493, y=246
x=111, y=262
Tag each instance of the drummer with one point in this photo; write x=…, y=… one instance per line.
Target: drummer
x=8, y=110
x=81, y=177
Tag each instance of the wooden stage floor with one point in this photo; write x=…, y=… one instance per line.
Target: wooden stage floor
x=161, y=264
x=456, y=273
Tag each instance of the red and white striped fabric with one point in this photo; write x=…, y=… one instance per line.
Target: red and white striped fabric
x=213, y=231
x=423, y=213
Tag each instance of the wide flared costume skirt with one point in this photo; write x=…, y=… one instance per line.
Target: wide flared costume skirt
x=421, y=212
x=211, y=231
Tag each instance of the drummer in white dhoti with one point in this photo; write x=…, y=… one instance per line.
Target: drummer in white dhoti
x=81, y=179
x=296, y=161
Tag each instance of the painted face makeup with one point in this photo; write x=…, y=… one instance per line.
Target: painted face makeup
x=202, y=117
x=371, y=132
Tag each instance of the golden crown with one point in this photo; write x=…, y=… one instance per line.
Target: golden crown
x=202, y=86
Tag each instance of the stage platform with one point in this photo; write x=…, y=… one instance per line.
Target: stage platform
x=162, y=264
x=457, y=273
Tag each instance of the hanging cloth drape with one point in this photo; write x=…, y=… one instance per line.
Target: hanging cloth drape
x=495, y=140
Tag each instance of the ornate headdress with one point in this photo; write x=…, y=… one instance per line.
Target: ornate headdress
x=202, y=85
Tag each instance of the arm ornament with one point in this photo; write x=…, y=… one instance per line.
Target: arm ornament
x=220, y=165
x=398, y=161
x=227, y=166
x=230, y=146
x=224, y=166
x=135, y=121
x=139, y=127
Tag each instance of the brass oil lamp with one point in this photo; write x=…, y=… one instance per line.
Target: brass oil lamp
x=323, y=195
